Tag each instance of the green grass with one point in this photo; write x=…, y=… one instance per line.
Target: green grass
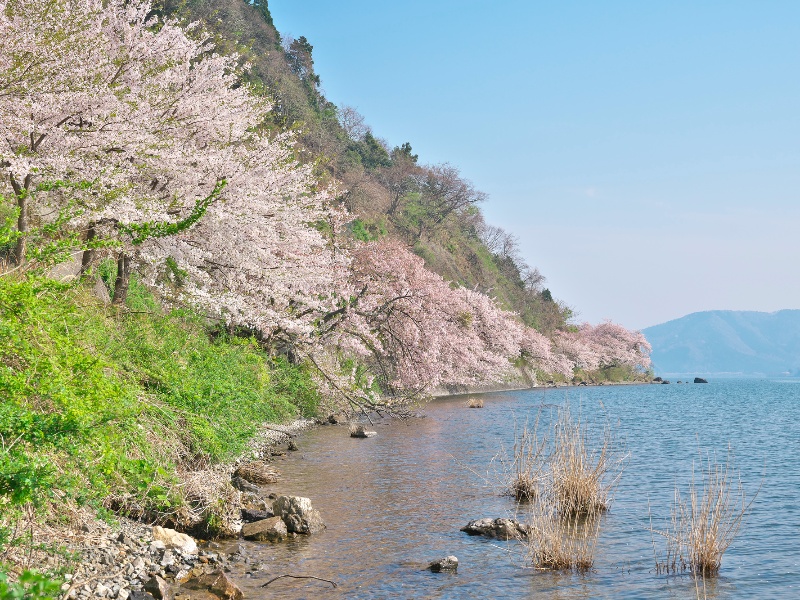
x=95, y=400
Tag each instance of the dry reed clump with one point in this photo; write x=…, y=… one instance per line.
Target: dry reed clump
x=585, y=468
x=705, y=524
x=564, y=479
x=557, y=540
x=584, y=464
x=522, y=473
x=475, y=403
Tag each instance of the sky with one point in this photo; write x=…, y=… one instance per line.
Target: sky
x=646, y=154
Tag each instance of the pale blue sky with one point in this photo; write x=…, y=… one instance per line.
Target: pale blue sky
x=645, y=153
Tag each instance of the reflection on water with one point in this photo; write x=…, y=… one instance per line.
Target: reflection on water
x=397, y=501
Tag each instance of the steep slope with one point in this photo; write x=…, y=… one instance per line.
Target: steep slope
x=430, y=208
x=725, y=341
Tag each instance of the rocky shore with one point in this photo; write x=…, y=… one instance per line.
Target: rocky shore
x=132, y=560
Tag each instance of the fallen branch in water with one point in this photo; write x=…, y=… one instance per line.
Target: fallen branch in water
x=299, y=577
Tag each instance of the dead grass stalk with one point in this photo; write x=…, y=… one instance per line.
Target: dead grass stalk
x=705, y=522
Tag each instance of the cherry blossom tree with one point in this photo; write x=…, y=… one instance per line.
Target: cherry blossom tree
x=103, y=93
x=608, y=344
x=417, y=332
x=142, y=138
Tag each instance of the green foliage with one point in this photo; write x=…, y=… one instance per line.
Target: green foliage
x=140, y=232
x=92, y=401
x=8, y=234
x=366, y=231
x=31, y=585
x=371, y=152
x=404, y=152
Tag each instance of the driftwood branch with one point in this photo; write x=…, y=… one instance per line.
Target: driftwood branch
x=299, y=577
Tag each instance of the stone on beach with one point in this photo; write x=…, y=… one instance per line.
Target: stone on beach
x=159, y=588
x=258, y=472
x=174, y=541
x=272, y=529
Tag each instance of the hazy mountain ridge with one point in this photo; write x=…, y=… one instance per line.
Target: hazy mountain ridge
x=728, y=341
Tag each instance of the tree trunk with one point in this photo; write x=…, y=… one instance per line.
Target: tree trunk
x=22, y=227
x=88, y=253
x=21, y=192
x=123, y=278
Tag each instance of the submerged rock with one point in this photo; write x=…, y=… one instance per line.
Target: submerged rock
x=298, y=514
x=502, y=529
x=448, y=564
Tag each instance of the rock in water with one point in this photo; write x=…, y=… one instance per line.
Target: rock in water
x=503, y=529
x=272, y=529
x=700, y=380
x=448, y=564
x=359, y=431
x=218, y=584
x=298, y=514
x=174, y=540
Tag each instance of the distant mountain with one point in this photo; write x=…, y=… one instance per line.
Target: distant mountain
x=728, y=342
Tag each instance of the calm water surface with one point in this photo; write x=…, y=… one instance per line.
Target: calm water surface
x=395, y=502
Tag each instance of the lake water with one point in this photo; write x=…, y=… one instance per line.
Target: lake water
x=397, y=501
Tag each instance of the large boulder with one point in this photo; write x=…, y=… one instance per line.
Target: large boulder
x=272, y=529
x=298, y=514
x=173, y=540
x=502, y=529
x=700, y=380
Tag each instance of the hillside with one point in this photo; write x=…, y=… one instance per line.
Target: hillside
x=393, y=193
x=725, y=341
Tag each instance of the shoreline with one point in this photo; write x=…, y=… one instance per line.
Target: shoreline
x=116, y=560
x=504, y=388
